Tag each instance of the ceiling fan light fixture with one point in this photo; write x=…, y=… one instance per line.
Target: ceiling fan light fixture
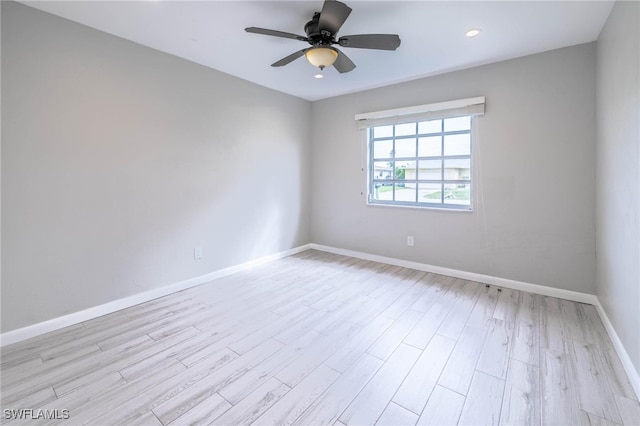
x=321, y=35
x=321, y=56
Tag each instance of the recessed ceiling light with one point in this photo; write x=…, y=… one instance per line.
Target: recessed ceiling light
x=318, y=76
x=473, y=32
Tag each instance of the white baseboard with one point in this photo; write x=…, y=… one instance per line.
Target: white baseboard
x=575, y=296
x=471, y=276
x=629, y=368
x=34, y=330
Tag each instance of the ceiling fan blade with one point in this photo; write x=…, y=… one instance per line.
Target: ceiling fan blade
x=371, y=41
x=343, y=63
x=333, y=15
x=275, y=33
x=290, y=58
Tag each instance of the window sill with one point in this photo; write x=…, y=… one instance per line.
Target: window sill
x=439, y=209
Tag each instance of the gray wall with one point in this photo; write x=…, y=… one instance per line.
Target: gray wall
x=118, y=160
x=618, y=173
x=534, y=162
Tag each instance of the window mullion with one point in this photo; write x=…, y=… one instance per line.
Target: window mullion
x=442, y=162
x=417, y=167
x=393, y=167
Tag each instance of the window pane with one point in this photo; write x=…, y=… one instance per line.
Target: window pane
x=382, y=170
x=382, y=191
x=405, y=170
x=430, y=147
x=457, y=144
x=405, y=148
x=406, y=129
x=457, y=169
x=457, y=194
x=383, y=149
x=433, y=126
x=457, y=123
x=430, y=170
x=429, y=193
x=383, y=132
x=405, y=192
x=425, y=163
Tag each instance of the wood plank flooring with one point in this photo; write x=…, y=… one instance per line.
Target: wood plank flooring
x=318, y=338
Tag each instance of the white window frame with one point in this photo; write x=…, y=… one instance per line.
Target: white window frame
x=471, y=107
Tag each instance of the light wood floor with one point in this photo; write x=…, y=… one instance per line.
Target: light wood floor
x=318, y=339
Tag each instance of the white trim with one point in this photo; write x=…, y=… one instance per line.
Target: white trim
x=575, y=296
x=629, y=368
x=472, y=276
x=419, y=109
x=34, y=330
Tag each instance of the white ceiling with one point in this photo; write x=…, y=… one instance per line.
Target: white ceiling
x=212, y=33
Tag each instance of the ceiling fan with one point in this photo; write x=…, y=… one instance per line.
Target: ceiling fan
x=321, y=35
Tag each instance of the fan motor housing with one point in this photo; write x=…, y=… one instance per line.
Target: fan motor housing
x=315, y=36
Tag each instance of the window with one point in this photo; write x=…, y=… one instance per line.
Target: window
x=424, y=162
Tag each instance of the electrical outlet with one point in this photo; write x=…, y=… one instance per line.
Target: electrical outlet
x=410, y=240
x=197, y=253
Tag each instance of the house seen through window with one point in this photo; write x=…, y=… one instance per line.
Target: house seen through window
x=421, y=163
